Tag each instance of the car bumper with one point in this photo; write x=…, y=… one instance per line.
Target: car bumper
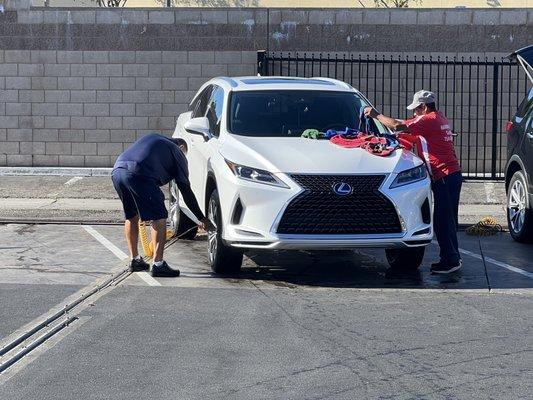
x=263, y=206
x=331, y=243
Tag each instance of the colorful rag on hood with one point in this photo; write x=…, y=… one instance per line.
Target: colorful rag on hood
x=313, y=134
x=363, y=137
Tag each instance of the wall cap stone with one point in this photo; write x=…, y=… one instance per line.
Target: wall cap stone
x=58, y=171
x=10, y=5
x=223, y=15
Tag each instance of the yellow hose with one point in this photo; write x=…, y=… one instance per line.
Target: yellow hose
x=169, y=234
x=147, y=244
x=488, y=226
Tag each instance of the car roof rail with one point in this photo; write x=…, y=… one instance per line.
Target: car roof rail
x=335, y=81
x=230, y=81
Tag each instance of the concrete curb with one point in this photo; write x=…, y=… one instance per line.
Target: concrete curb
x=58, y=171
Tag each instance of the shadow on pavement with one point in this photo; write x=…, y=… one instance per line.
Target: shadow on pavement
x=343, y=269
x=365, y=268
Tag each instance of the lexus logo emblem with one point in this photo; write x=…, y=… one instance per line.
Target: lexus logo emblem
x=342, y=189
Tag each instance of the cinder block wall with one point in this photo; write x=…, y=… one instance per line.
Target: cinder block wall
x=82, y=108
x=78, y=86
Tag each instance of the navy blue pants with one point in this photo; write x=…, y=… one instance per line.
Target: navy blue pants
x=139, y=195
x=446, y=192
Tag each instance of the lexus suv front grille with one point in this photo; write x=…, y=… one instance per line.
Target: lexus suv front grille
x=339, y=204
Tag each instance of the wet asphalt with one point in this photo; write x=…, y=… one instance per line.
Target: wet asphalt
x=292, y=325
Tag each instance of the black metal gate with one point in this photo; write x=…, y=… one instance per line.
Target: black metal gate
x=477, y=95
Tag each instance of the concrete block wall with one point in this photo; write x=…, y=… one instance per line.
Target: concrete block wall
x=77, y=86
x=82, y=108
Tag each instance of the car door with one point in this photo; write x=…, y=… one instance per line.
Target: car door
x=527, y=143
x=524, y=118
x=195, y=154
x=206, y=149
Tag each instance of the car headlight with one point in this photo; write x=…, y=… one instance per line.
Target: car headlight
x=410, y=176
x=255, y=175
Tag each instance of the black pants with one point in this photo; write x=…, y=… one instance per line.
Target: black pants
x=446, y=192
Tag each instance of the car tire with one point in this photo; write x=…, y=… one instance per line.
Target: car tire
x=223, y=259
x=180, y=225
x=407, y=259
x=519, y=211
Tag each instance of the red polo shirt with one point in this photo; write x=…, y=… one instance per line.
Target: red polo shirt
x=433, y=130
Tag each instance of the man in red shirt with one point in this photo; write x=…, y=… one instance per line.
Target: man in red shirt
x=430, y=129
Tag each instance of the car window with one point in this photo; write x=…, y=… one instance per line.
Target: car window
x=199, y=105
x=525, y=106
x=194, y=103
x=214, y=109
x=528, y=125
x=524, y=115
x=290, y=112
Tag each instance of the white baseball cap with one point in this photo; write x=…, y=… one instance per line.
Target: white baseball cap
x=421, y=97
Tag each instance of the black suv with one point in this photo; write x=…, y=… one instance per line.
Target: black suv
x=519, y=170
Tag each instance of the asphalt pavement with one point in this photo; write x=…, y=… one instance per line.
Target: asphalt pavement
x=163, y=343
x=292, y=325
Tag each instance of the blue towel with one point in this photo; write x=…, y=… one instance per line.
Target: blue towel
x=332, y=132
x=351, y=132
x=364, y=122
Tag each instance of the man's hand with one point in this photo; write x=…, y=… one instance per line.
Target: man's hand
x=389, y=122
x=207, y=225
x=370, y=112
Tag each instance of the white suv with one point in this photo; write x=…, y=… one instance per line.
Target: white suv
x=266, y=187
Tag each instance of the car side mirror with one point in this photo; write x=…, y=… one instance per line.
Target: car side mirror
x=198, y=126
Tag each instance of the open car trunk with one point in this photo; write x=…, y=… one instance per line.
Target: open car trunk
x=524, y=57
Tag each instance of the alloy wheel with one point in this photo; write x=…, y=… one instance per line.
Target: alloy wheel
x=174, y=208
x=212, y=239
x=517, y=206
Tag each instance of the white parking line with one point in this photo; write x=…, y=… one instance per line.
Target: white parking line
x=490, y=190
x=491, y=260
x=193, y=275
x=145, y=276
x=110, y=246
x=497, y=263
x=73, y=180
x=119, y=253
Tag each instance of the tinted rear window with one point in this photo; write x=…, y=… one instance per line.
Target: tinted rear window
x=526, y=105
x=290, y=112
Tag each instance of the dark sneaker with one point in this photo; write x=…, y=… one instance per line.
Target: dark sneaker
x=139, y=265
x=165, y=271
x=442, y=268
x=436, y=265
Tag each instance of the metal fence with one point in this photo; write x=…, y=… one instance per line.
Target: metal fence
x=477, y=95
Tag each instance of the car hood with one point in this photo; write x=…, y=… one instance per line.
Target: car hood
x=300, y=155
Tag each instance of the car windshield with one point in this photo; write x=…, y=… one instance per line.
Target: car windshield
x=288, y=113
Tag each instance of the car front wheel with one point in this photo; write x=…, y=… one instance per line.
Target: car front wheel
x=222, y=258
x=407, y=259
x=180, y=225
x=519, y=212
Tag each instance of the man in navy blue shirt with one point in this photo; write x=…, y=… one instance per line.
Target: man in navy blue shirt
x=151, y=162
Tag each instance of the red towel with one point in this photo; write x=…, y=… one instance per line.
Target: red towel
x=373, y=144
x=354, y=143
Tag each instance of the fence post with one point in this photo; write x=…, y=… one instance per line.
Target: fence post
x=262, y=65
x=494, y=119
